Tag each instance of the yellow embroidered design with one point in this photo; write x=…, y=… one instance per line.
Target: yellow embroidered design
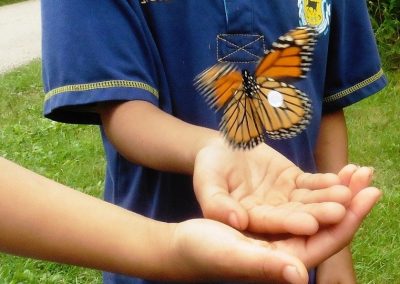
x=354, y=88
x=102, y=85
x=315, y=13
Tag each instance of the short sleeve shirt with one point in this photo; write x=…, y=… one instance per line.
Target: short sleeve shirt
x=151, y=50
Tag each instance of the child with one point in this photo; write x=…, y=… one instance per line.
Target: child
x=130, y=67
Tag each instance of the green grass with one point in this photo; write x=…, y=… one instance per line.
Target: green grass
x=73, y=155
x=374, y=131
x=70, y=154
x=6, y=2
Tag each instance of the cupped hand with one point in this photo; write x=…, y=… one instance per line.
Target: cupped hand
x=339, y=269
x=261, y=191
x=209, y=250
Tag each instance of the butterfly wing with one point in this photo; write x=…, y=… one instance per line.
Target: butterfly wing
x=222, y=85
x=284, y=110
x=218, y=84
x=258, y=104
x=241, y=122
x=278, y=109
x=290, y=56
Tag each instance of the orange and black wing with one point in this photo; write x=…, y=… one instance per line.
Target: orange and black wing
x=284, y=110
x=222, y=86
x=218, y=84
x=291, y=55
x=277, y=108
x=241, y=123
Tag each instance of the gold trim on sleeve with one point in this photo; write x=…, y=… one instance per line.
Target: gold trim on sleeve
x=102, y=85
x=354, y=88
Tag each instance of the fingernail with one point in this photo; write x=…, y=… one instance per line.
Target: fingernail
x=291, y=274
x=234, y=220
x=372, y=169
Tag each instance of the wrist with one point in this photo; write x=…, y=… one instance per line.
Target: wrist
x=207, y=138
x=167, y=255
x=174, y=253
x=152, y=256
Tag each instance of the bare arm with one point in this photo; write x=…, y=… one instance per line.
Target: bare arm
x=331, y=156
x=331, y=153
x=43, y=219
x=146, y=135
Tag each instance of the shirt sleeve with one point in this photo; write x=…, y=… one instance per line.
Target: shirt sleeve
x=95, y=52
x=354, y=71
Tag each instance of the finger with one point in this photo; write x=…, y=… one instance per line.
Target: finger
x=266, y=219
x=316, y=181
x=337, y=193
x=327, y=213
x=362, y=204
x=361, y=178
x=331, y=240
x=346, y=173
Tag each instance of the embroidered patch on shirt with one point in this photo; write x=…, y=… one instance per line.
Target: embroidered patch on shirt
x=315, y=13
x=240, y=48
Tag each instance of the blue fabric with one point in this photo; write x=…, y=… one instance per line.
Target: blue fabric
x=119, y=50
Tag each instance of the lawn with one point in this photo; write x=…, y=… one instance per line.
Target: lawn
x=70, y=154
x=6, y=2
x=374, y=132
x=73, y=155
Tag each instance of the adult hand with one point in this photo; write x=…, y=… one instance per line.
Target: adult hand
x=212, y=249
x=261, y=191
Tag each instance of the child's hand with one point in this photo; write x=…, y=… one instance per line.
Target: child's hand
x=211, y=251
x=339, y=268
x=263, y=192
x=208, y=250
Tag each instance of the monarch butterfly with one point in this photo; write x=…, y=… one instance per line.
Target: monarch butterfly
x=258, y=103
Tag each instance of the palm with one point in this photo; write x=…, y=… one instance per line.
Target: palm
x=266, y=192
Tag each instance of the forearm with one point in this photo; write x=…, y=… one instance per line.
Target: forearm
x=337, y=269
x=146, y=135
x=43, y=219
x=331, y=152
x=332, y=155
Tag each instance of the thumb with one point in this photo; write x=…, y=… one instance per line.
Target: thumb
x=333, y=239
x=212, y=191
x=216, y=203
x=260, y=258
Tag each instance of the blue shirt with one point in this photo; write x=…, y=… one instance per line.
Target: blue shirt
x=121, y=50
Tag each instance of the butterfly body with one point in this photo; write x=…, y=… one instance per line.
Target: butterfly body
x=250, y=85
x=261, y=103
